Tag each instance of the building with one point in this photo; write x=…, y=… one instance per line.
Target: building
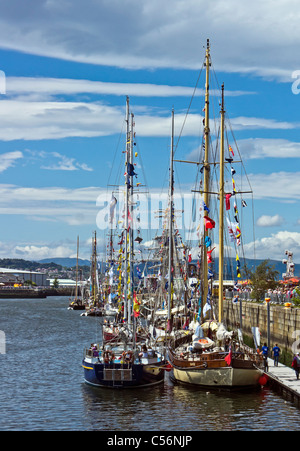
x=38, y=278
x=65, y=283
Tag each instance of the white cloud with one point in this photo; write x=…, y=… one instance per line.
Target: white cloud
x=274, y=246
x=270, y=221
x=133, y=34
x=32, y=252
x=8, y=159
x=259, y=148
x=66, y=164
x=32, y=120
x=281, y=185
x=32, y=87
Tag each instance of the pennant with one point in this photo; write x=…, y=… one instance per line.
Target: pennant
x=233, y=186
x=231, y=151
x=244, y=204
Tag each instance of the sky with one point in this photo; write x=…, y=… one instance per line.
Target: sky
x=67, y=67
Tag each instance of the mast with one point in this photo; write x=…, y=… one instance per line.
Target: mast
x=221, y=214
x=76, y=290
x=126, y=315
x=130, y=193
x=171, y=191
x=94, y=268
x=206, y=169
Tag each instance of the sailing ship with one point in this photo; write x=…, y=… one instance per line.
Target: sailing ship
x=121, y=360
x=94, y=306
x=212, y=357
x=78, y=303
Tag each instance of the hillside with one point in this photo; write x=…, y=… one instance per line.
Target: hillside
x=65, y=262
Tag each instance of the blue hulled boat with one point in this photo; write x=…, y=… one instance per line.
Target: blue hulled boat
x=118, y=368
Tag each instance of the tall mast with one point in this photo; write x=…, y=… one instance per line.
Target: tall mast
x=126, y=213
x=221, y=214
x=206, y=169
x=130, y=193
x=171, y=192
x=76, y=290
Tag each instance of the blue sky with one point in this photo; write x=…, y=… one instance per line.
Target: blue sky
x=68, y=68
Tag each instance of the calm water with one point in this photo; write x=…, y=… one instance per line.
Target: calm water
x=42, y=384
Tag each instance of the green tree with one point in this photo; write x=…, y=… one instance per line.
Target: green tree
x=55, y=283
x=263, y=278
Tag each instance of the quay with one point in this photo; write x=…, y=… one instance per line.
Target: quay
x=283, y=380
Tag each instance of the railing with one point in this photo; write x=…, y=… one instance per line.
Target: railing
x=276, y=298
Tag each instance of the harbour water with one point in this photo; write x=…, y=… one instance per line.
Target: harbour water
x=42, y=385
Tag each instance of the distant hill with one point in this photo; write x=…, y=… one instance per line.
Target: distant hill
x=252, y=264
x=26, y=265
x=60, y=263
x=66, y=262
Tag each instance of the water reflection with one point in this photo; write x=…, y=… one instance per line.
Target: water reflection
x=177, y=408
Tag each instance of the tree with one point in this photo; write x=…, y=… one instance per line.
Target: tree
x=55, y=283
x=263, y=278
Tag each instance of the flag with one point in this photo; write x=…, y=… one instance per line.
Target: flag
x=130, y=170
x=231, y=150
x=233, y=186
x=136, y=306
x=238, y=265
x=209, y=259
x=227, y=200
x=228, y=358
x=203, y=206
x=209, y=223
x=207, y=241
x=244, y=204
x=231, y=229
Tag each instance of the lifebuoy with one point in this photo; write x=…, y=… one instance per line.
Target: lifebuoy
x=108, y=356
x=127, y=356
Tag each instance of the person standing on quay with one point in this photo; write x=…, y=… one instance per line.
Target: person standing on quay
x=276, y=352
x=296, y=365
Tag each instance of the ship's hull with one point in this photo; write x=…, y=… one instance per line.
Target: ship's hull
x=120, y=375
x=226, y=378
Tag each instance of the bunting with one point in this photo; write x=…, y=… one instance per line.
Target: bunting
x=238, y=265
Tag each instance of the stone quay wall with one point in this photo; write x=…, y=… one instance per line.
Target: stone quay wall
x=284, y=322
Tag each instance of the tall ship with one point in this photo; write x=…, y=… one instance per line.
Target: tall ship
x=208, y=355
x=124, y=358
